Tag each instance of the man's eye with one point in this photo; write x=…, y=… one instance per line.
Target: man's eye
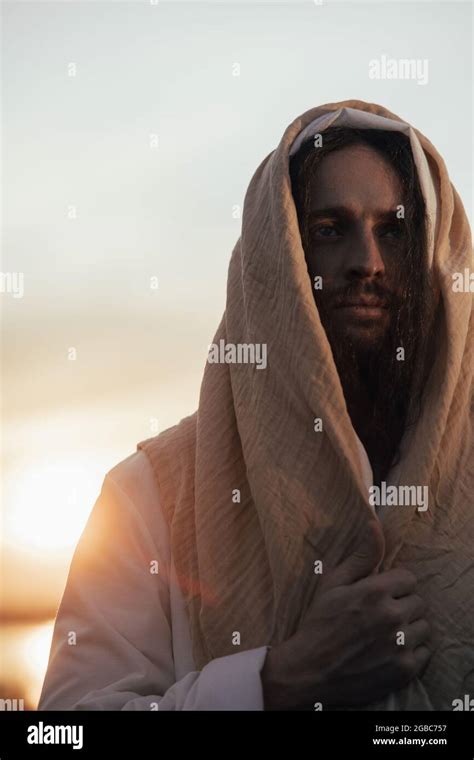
x=325, y=230
x=393, y=231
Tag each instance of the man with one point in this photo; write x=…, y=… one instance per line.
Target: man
x=377, y=295
x=304, y=540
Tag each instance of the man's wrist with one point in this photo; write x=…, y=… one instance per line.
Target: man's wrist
x=285, y=687
x=274, y=683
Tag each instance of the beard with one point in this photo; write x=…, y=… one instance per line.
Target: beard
x=372, y=367
x=364, y=350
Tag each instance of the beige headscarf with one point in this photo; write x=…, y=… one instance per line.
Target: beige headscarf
x=247, y=565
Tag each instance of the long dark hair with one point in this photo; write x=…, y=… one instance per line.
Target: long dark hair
x=397, y=386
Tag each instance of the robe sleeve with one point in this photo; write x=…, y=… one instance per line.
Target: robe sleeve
x=114, y=645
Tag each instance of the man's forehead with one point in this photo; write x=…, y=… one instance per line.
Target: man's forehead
x=352, y=210
x=354, y=179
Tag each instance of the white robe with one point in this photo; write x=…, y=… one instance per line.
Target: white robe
x=133, y=646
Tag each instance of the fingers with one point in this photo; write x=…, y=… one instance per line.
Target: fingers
x=422, y=657
x=411, y=664
x=364, y=559
x=396, y=583
x=417, y=634
x=406, y=616
x=416, y=637
x=410, y=607
x=402, y=582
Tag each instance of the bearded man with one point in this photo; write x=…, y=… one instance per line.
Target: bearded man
x=239, y=560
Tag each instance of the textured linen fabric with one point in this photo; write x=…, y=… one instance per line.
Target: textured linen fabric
x=248, y=566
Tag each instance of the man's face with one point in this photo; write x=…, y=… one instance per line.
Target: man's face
x=355, y=243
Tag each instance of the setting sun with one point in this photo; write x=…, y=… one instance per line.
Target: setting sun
x=49, y=503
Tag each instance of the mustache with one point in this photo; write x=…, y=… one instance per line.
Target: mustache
x=356, y=291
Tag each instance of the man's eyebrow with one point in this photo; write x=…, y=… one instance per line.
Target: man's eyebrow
x=345, y=212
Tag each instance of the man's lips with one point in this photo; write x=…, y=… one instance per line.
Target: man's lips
x=367, y=308
x=370, y=303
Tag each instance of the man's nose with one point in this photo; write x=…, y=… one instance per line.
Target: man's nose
x=366, y=259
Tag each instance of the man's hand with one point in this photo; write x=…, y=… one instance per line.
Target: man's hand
x=345, y=652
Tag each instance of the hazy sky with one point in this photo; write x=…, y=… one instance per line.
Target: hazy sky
x=83, y=146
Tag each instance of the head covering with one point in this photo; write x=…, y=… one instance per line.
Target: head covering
x=353, y=117
x=254, y=496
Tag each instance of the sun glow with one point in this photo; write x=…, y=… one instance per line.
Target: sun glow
x=49, y=503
